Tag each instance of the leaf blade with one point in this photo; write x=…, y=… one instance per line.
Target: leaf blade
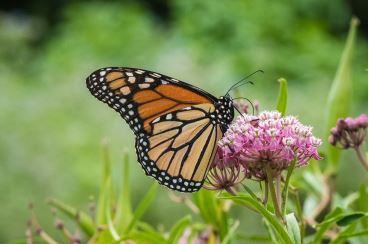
x=282, y=96
x=340, y=94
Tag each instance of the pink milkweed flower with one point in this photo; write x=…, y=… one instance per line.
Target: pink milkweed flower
x=225, y=173
x=349, y=132
x=254, y=142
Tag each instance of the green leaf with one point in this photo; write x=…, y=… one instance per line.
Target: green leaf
x=293, y=228
x=363, y=203
x=249, y=191
x=177, y=230
x=336, y=217
x=324, y=226
x=253, y=238
x=344, y=235
x=231, y=232
x=223, y=220
x=103, y=237
x=282, y=96
x=101, y=205
x=339, y=216
x=313, y=182
x=248, y=201
x=299, y=214
x=286, y=185
x=271, y=231
x=348, y=219
x=211, y=210
x=207, y=205
x=84, y=220
x=124, y=209
x=340, y=94
x=108, y=212
x=142, y=206
x=149, y=229
x=142, y=237
x=309, y=204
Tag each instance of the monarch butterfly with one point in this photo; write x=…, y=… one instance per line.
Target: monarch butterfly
x=177, y=125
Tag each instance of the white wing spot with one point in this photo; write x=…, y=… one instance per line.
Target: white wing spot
x=143, y=86
x=148, y=79
x=125, y=90
x=102, y=73
x=156, y=120
x=132, y=79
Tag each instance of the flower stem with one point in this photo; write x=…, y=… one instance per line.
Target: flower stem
x=266, y=192
x=272, y=190
x=230, y=191
x=361, y=158
x=278, y=191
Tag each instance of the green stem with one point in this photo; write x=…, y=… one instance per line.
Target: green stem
x=278, y=191
x=266, y=192
x=230, y=191
x=272, y=190
x=361, y=158
x=300, y=215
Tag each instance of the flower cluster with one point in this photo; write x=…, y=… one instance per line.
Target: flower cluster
x=225, y=173
x=267, y=140
x=349, y=132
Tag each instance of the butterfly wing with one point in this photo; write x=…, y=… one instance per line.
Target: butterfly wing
x=174, y=124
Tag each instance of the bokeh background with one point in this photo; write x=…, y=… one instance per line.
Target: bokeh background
x=52, y=128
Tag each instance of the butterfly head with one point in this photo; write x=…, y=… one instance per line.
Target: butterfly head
x=225, y=111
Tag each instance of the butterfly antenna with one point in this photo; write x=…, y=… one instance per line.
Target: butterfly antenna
x=241, y=84
x=243, y=79
x=235, y=107
x=248, y=100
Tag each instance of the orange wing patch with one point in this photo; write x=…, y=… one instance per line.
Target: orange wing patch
x=150, y=109
x=146, y=96
x=180, y=94
x=113, y=76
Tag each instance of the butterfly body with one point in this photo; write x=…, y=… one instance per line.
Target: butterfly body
x=176, y=125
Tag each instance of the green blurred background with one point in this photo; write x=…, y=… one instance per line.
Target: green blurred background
x=52, y=128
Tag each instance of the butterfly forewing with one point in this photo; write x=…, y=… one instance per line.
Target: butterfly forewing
x=175, y=124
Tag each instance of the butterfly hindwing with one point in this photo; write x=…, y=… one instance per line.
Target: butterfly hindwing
x=175, y=124
x=180, y=148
